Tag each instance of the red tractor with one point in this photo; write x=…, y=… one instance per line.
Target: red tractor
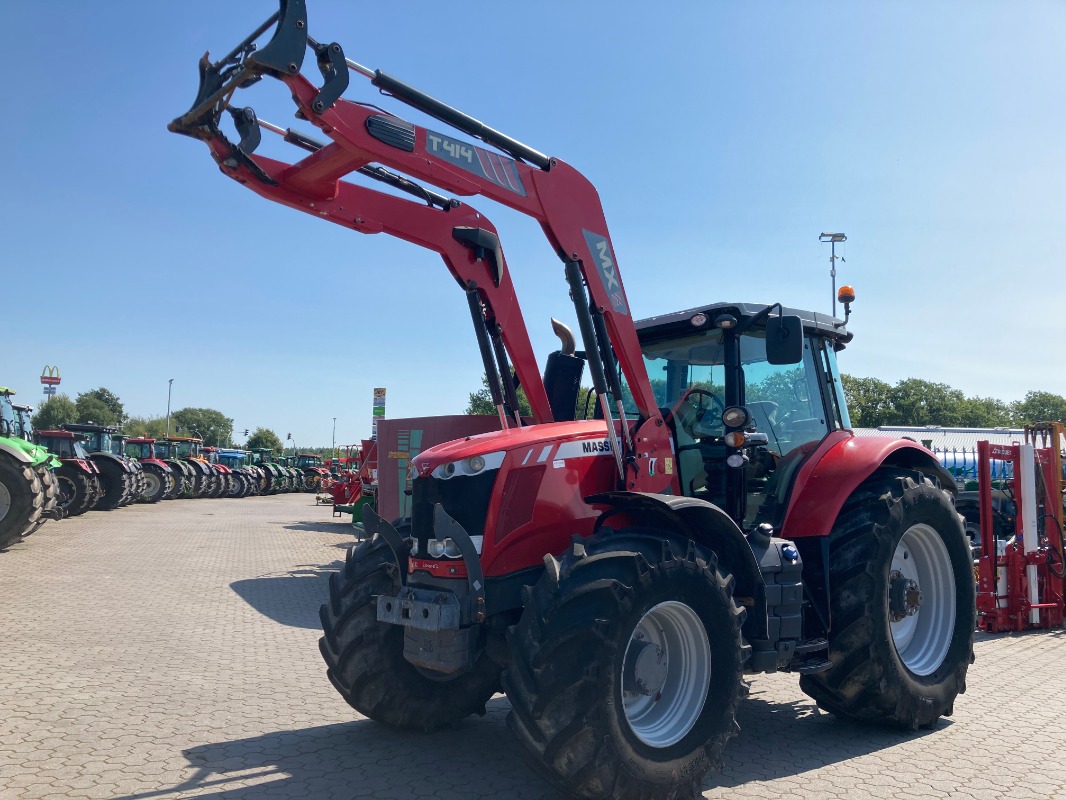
x=78, y=479
x=615, y=576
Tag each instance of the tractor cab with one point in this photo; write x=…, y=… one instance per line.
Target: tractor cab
x=8, y=423
x=308, y=461
x=234, y=459
x=97, y=438
x=185, y=447
x=140, y=448
x=749, y=392
x=23, y=426
x=65, y=444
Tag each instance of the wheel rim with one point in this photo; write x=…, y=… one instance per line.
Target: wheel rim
x=5, y=501
x=151, y=484
x=666, y=672
x=922, y=602
x=67, y=491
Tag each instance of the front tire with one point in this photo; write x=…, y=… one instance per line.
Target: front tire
x=365, y=659
x=21, y=499
x=902, y=605
x=50, y=491
x=627, y=667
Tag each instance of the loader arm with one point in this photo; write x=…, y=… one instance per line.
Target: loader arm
x=464, y=238
x=555, y=194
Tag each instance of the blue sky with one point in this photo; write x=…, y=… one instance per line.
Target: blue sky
x=722, y=136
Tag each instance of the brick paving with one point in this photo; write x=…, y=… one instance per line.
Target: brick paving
x=171, y=652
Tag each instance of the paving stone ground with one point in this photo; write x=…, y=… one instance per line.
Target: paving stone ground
x=170, y=651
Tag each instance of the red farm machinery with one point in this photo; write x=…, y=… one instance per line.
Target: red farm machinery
x=615, y=576
x=1020, y=581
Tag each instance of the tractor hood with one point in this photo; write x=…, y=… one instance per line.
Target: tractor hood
x=530, y=444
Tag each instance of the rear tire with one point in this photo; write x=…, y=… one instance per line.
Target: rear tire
x=21, y=499
x=77, y=490
x=158, y=483
x=903, y=608
x=113, y=480
x=627, y=668
x=365, y=659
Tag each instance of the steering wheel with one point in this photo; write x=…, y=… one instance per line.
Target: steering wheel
x=698, y=411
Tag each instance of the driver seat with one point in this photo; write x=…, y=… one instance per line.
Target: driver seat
x=691, y=471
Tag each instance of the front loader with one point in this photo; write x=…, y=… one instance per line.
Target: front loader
x=615, y=576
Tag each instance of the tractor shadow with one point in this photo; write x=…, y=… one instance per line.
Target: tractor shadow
x=779, y=740
x=475, y=759
x=290, y=598
x=363, y=759
x=339, y=525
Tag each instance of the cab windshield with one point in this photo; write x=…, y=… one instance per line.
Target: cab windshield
x=786, y=402
x=138, y=451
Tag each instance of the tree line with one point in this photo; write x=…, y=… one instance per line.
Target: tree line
x=103, y=407
x=873, y=402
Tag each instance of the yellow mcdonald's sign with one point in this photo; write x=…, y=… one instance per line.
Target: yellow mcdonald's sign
x=50, y=375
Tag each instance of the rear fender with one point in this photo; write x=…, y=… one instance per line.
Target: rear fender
x=17, y=453
x=157, y=463
x=121, y=463
x=836, y=468
x=707, y=525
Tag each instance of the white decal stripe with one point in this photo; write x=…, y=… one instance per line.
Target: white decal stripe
x=544, y=454
x=524, y=460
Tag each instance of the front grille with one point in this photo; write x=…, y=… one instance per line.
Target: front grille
x=465, y=498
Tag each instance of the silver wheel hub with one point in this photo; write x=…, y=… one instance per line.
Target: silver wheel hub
x=666, y=673
x=922, y=603
x=5, y=501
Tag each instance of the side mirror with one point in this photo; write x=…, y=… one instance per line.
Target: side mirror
x=784, y=340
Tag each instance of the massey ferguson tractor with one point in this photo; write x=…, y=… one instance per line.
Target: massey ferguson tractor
x=616, y=576
x=158, y=474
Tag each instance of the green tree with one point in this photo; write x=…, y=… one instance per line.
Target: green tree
x=101, y=406
x=264, y=437
x=214, y=426
x=985, y=412
x=481, y=401
x=54, y=412
x=1036, y=406
x=152, y=427
x=869, y=403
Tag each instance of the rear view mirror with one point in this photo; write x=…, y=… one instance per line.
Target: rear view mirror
x=784, y=340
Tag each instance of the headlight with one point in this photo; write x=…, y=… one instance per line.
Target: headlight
x=435, y=548
x=735, y=417
x=467, y=467
x=737, y=460
x=451, y=549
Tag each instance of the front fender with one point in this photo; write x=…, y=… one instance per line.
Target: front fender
x=836, y=468
x=707, y=525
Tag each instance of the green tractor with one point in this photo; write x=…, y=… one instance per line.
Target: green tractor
x=278, y=478
x=28, y=489
x=202, y=479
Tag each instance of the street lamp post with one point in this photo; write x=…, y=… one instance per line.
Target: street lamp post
x=334, y=448
x=833, y=238
x=170, y=386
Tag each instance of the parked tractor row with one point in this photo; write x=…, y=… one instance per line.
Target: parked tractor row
x=65, y=472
